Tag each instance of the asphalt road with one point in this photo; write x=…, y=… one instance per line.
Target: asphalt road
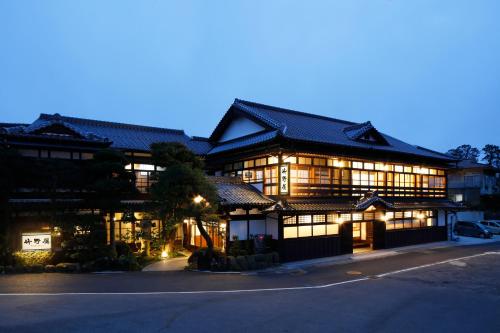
x=425, y=290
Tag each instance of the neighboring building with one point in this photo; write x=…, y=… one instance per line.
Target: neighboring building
x=468, y=181
x=319, y=186
x=76, y=139
x=476, y=186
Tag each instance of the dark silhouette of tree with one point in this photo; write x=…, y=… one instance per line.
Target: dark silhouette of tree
x=10, y=173
x=492, y=155
x=464, y=152
x=108, y=183
x=178, y=189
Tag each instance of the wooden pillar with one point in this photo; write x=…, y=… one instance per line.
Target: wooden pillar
x=248, y=224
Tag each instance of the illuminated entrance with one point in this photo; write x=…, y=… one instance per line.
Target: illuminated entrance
x=362, y=236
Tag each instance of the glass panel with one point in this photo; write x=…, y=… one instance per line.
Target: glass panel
x=319, y=219
x=319, y=230
x=304, y=219
x=290, y=232
x=305, y=231
x=332, y=229
x=289, y=220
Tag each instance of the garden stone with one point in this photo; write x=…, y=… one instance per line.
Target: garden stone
x=50, y=268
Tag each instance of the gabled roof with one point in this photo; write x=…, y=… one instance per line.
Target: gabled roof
x=306, y=127
x=120, y=135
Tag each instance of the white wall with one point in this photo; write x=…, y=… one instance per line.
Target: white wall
x=272, y=227
x=471, y=215
x=441, y=218
x=240, y=127
x=257, y=227
x=238, y=228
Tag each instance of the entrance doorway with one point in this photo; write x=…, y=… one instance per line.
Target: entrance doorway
x=362, y=236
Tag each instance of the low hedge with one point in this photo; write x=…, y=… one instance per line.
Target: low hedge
x=232, y=263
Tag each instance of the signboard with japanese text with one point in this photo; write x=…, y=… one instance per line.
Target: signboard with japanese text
x=36, y=241
x=284, y=179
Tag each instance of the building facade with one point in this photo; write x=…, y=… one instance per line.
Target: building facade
x=337, y=186
x=317, y=186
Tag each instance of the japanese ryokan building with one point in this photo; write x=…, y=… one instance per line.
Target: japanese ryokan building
x=319, y=186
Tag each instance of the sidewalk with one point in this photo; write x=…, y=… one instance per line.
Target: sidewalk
x=377, y=254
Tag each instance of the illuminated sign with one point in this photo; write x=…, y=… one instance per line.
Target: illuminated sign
x=36, y=241
x=284, y=179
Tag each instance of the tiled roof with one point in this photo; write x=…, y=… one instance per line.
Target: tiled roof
x=232, y=191
x=341, y=205
x=372, y=198
x=200, y=145
x=470, y=164
x=121, y=136
x=312, y=128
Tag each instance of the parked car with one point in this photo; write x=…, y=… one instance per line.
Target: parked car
x=474, y=229
x=492, y=226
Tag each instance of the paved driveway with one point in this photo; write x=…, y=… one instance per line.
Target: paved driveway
x=454, y=289
x=167, y=265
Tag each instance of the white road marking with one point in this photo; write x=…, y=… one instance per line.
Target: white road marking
x=253, y=290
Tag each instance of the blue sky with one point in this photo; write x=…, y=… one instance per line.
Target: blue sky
x=427, y=72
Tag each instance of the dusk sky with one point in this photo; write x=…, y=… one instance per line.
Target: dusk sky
x=426, y=72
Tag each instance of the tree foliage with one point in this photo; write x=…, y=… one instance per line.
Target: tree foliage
x=464, y=152
x=176, y=187
x=491, y=155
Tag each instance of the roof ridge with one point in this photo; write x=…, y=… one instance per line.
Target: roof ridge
x=46, y=116
x=434, y=151
x=199, y=138
x=276, y=108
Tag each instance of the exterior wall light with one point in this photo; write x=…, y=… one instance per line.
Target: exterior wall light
x=164, y=254
x=198, y=199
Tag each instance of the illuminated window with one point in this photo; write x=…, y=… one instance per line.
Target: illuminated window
x=319, y=161
x=290, y=232
x=357, y=217
x=319, y=219
x=290, y=159
x=304, y=219
x=357, y=165
x=289, y=220
x=369, y=166
x=248, y=164
x=260, y=161
x=305, y=231
x=345, y=217
x=319, y=230
x=304, y=160
x=332, y=229
x=398, y=168
x=331, y=218
x=272, y=160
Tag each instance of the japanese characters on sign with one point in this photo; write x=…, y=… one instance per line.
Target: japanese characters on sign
x=36, y=241
x=284, y=179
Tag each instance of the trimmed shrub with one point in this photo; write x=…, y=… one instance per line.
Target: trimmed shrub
x=30, y=258
x=242, y=262
x=233, y=264
x=252, y=264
